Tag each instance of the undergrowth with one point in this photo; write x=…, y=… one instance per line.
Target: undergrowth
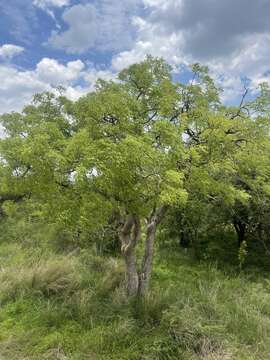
x=73, y=307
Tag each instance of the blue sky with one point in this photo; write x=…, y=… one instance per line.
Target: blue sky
x=45, y=43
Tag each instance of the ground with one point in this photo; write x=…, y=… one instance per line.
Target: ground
x=73, y=306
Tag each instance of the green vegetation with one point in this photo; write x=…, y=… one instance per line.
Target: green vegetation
x=74, y=306
x=135, y=222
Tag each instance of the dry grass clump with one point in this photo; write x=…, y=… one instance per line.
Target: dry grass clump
x=51, y=277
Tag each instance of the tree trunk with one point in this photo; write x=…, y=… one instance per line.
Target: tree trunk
x=129, y=241
x=240, y=229
x=146, y=268
x=132, y=274
x=147, y=262
x=130, y=234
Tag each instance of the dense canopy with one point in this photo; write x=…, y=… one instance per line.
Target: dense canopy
x=141, y=154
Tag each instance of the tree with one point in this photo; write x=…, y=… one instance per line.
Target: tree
x=227, y=160
x=127, y=147
x=145, y=144
x=129, y=150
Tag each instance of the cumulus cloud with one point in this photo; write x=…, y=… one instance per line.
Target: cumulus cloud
x=232, y=37
x=93, y=74
x=17, y=86
x=212, y=28
x=103, y=25
x=206, y=30
x=90, y=77
x=51, y=71
x=8, y=51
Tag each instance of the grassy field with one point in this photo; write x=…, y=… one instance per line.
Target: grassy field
x=73, y=306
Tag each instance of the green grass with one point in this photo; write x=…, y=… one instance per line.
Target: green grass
x=74, y=307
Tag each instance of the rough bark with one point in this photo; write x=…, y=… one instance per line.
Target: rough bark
x=129, y=236
x=147, y=262
x=146, y=268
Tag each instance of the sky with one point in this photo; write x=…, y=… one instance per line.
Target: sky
x=46, y=43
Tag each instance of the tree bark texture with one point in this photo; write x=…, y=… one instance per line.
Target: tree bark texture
x=130, y=233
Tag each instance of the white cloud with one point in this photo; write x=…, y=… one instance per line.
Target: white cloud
x=8, y=51
x=43, y=4
x=103, y=25
x=92, y=75
x=17, y=87
x=251, y=62
x=51, y=71
x=151, y=41
x=75, y=92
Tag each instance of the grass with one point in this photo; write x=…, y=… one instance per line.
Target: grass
x=74, y=307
